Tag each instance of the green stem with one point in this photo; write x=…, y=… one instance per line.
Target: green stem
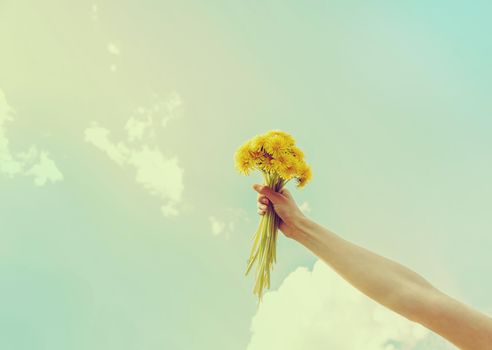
x=263, y=251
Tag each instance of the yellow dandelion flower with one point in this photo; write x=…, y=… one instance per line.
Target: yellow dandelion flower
x=256, y=156
x=304, y=176
x=258, y=142
x=296, y=152
x=289, y=168
x=243, y=160
x=275, y=145
x=267, y=163
x=288, y=139
x=279, y=163
x=275, y=155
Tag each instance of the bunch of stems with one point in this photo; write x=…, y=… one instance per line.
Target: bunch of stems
x=263, y=251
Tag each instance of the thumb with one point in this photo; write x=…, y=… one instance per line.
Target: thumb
x=273, y=196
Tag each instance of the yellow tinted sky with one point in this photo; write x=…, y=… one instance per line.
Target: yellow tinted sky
x=123, y=222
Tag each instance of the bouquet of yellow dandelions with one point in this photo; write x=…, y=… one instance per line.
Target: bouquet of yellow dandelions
x=279, y=160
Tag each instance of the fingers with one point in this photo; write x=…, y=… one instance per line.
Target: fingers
x=268, y=192
x=262, y=208
x=267, y=196
x=262, y=199
x=257, y=187
x=262, y=204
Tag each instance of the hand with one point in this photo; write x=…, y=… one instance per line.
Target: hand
x=284, y=205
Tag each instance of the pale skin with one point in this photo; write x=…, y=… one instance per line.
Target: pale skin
x=383, y=280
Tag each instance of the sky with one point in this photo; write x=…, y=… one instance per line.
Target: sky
x=123, y=223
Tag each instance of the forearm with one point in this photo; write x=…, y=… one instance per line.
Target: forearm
x=385, y=281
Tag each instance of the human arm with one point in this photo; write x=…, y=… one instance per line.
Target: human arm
x=398, y=288
x=384, y=280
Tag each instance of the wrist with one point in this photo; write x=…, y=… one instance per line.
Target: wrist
x=301, y=225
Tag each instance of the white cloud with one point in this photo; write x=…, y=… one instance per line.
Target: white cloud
x=138, y=126
x=158, y=174
x=45, y=170
x=141, y=124
x=99, y=137
x=94, y=12
x=33, y=162
x=171, y=108
x=113, y=49
x=226, y=224
x=217, y=225
x=8, y=164
x=319, y=310
x=169, y=209
x=305, y=207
